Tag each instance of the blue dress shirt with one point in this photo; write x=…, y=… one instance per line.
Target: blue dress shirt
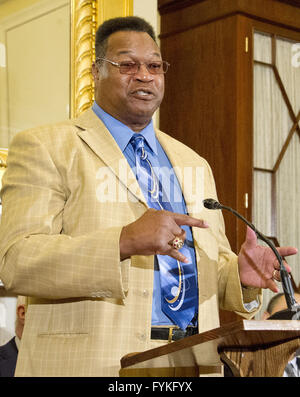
x=161, y=164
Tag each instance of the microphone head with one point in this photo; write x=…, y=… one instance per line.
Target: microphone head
x=212, y=204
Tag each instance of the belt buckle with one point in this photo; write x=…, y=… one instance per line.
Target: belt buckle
x=170, y=334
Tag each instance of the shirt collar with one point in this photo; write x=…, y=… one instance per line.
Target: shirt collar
x=18, y=341
x=121, y=133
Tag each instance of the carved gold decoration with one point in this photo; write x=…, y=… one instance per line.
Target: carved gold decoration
x=84, y=24
x=86, y=15
x=3, y=157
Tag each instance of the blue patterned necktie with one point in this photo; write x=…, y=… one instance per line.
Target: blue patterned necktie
x=177, y=280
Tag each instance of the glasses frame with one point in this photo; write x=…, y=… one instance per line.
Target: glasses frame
x=139, y=64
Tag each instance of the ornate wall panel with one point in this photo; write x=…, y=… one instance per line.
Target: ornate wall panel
x=277, y=143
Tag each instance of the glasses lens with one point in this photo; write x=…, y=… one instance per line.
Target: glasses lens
x=155, y=67
x=128, y=67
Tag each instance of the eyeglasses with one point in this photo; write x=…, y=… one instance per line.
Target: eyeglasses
x=127, y=67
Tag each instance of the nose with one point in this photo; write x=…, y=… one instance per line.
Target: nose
x=143, y=73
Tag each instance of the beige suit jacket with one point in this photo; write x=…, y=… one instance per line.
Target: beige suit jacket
x=67, y=193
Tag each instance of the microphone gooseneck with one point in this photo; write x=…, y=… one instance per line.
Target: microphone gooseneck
x=293, y=311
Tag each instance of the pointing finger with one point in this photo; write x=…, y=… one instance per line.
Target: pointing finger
x=182, y=219
x=178, y=255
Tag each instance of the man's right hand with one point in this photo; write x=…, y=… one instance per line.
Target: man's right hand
x=154, y=232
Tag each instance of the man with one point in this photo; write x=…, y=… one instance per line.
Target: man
x=9, y=351
x=276, y=304
x=82, y=234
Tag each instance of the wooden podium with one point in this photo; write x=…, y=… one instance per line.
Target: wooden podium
x=250, y=348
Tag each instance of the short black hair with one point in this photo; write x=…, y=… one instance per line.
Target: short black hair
x=135, y=24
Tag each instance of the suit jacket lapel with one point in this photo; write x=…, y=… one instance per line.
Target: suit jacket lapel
x=96, y=135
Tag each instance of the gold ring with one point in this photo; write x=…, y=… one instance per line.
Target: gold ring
x=276, y=275
x=177, y=243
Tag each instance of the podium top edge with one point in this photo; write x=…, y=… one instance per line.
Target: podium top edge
x=271, y=325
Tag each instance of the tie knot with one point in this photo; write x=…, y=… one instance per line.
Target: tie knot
x=137, y=142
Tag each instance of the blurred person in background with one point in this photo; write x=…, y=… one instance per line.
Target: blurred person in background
x=9, y=351
x=276, y=304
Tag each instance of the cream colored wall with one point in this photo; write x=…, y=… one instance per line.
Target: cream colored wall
x=147, y=9
x=9, y=7
x=35, y=79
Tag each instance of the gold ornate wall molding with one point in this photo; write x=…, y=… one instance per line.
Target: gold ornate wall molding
x=3, y=157
x=86, y=16
x=83, y=22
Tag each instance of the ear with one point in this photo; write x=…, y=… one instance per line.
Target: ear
x=95, y=72
x=21, y=313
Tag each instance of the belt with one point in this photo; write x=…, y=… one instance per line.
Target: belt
x=172, y=333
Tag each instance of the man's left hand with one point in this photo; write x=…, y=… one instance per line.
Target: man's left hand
x=257, y=263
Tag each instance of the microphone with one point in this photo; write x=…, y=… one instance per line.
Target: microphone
x=293, y=310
